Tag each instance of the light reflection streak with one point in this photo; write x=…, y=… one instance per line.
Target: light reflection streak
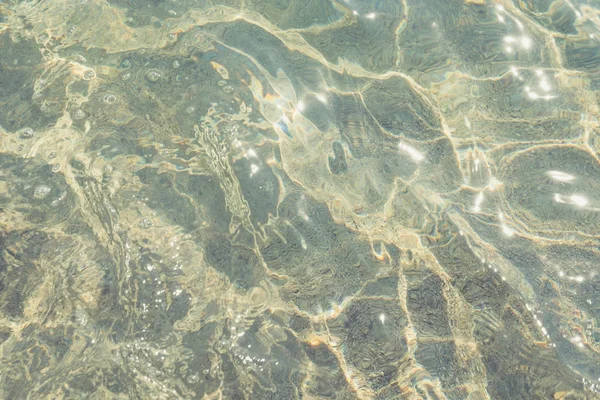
x=560, y=176
x=575, y=199
x=412, y=152
x=478, y=201
x=506, y=230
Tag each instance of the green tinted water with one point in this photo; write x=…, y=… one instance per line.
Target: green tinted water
x=299, y=200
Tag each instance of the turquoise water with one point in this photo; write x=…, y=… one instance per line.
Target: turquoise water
x=276, y=199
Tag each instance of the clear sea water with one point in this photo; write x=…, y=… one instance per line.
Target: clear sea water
x=286, y=199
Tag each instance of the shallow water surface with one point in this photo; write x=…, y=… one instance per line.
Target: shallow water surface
x=285, y=199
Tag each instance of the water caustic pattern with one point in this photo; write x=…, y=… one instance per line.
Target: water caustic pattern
x=277, y=199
